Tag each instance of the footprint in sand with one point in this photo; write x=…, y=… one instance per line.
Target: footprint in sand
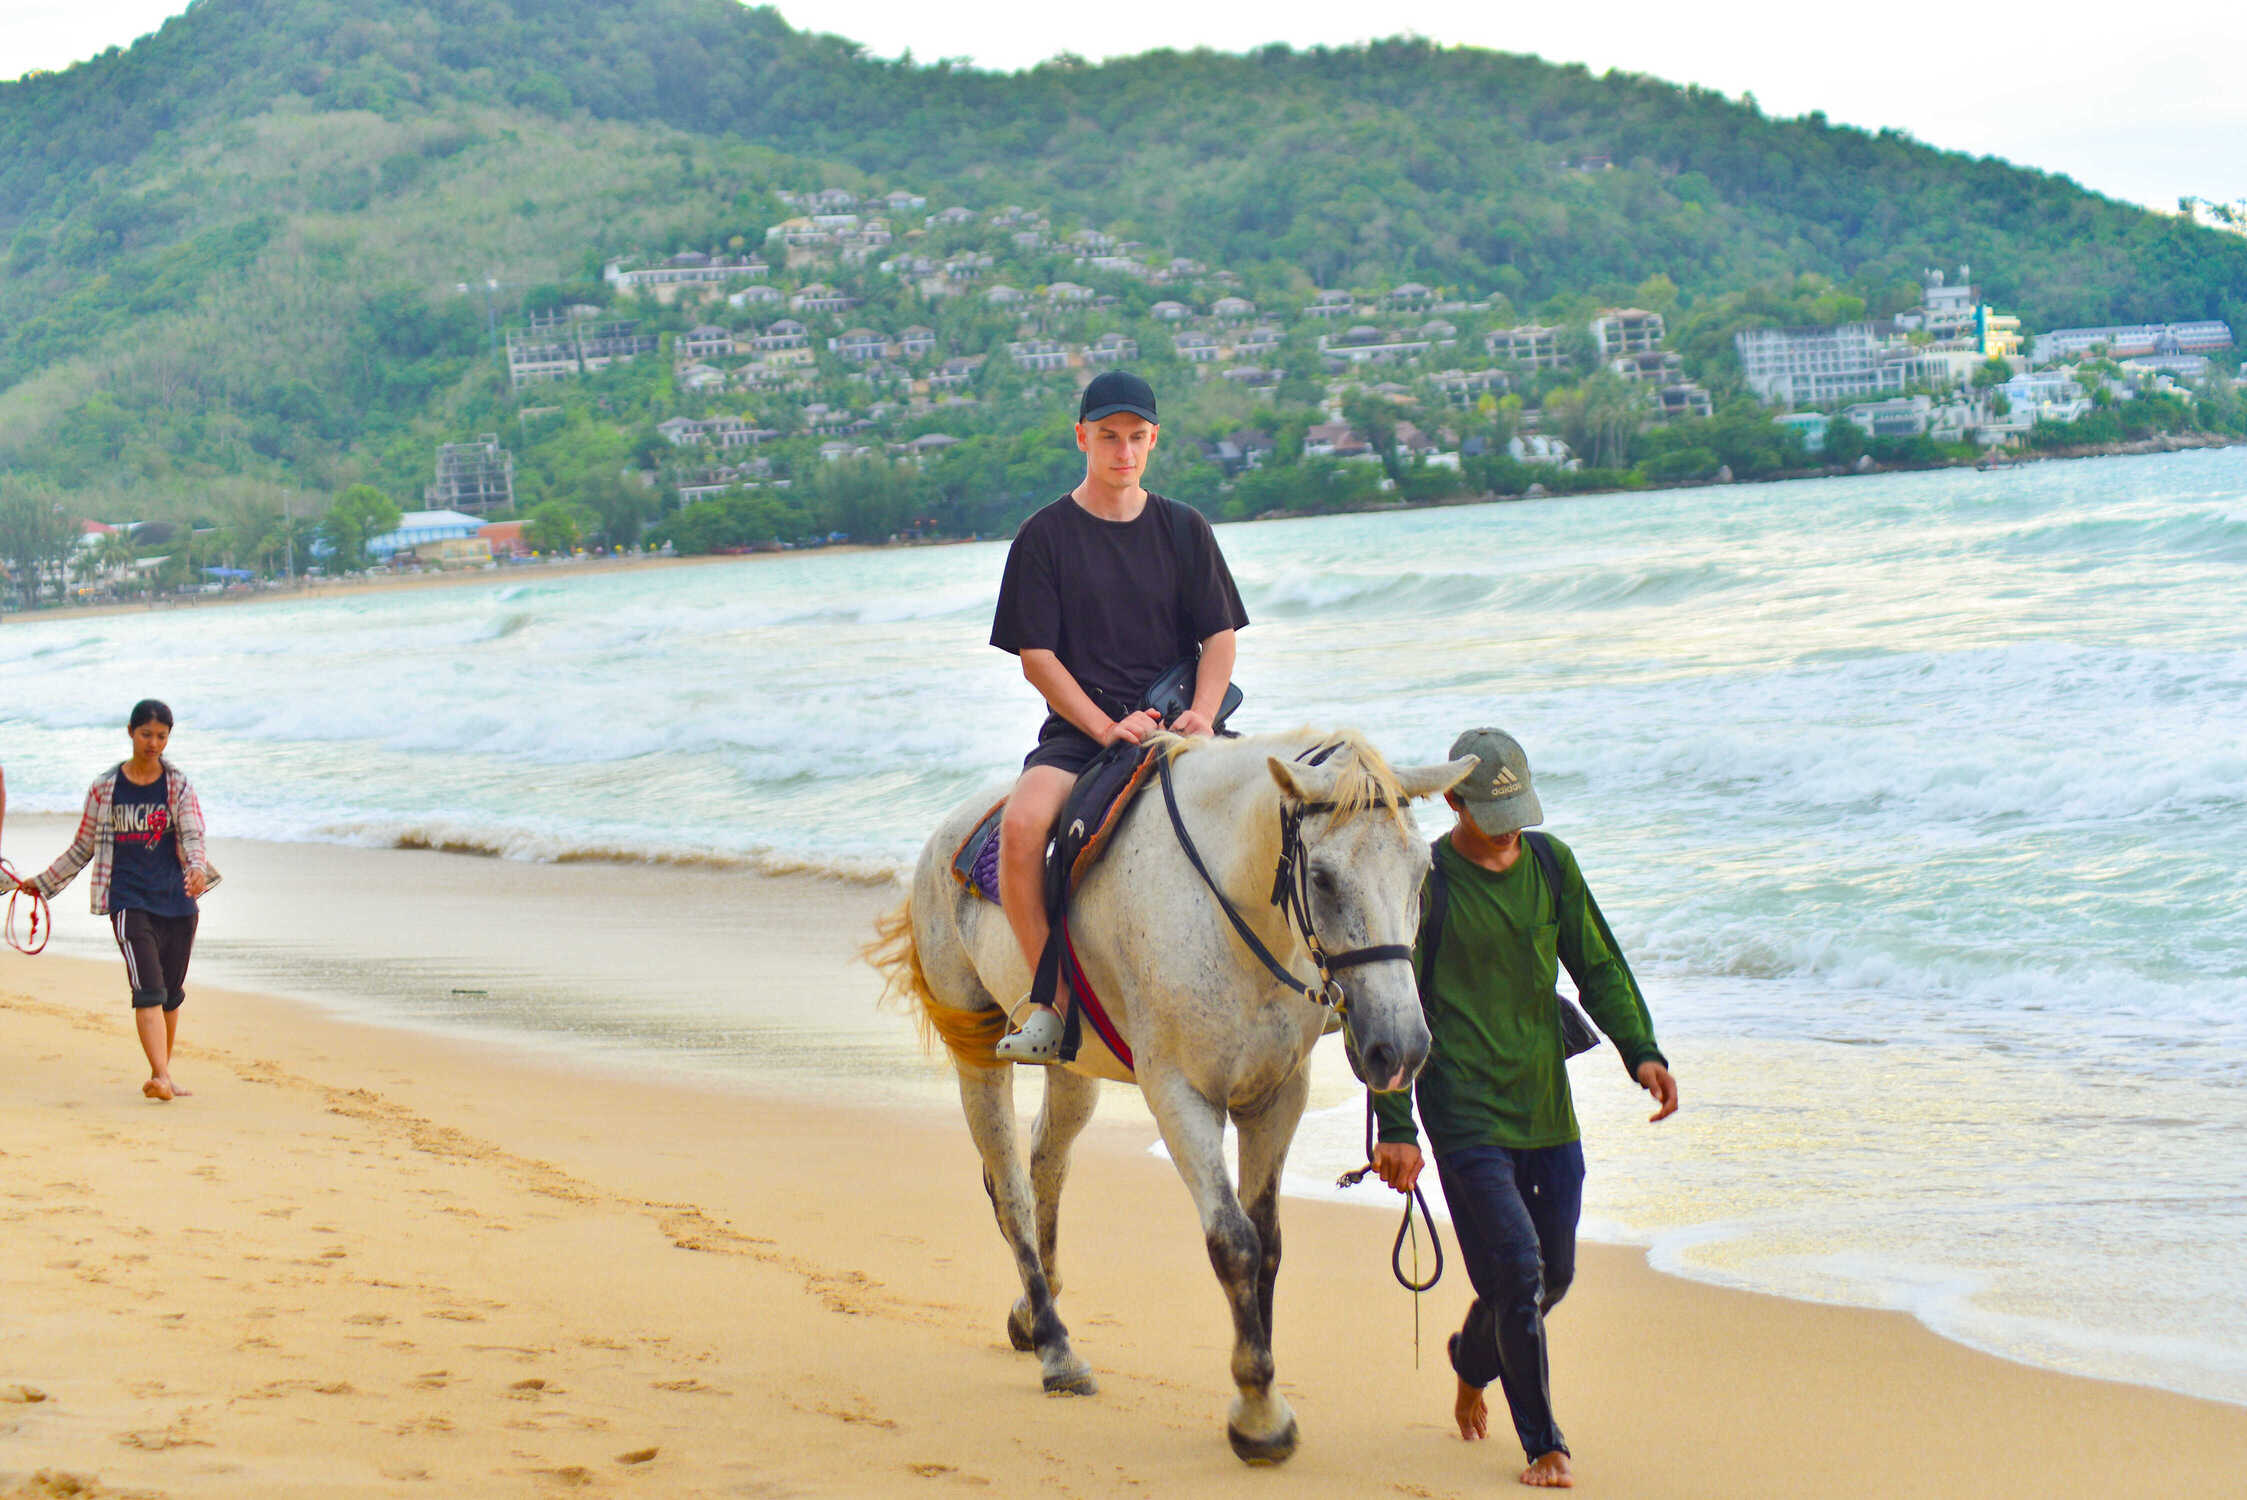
x=946, y=1471
x=154, y=1441
x=575, y=1477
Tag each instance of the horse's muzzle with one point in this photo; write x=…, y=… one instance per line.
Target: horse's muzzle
x=1387, y=1063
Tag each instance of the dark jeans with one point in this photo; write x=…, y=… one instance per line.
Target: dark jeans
x=1515, y=1215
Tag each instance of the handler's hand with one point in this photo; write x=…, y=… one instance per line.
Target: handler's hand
x=196, y=884
x=1134, y=728
x=1192, y=723
x=1399, y=1164
x=1656, y=1080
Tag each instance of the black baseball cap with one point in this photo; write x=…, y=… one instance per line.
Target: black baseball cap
x=1114, y=391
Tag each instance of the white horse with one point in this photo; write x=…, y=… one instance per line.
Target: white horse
x=1215, y=1033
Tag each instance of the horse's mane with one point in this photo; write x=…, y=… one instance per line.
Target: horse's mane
x=1364, y=780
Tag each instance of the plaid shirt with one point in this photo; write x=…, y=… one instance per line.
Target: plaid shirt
x=96, y=839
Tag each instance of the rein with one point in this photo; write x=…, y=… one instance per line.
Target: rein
x=1291, y=894
x=41, y=915
x=1404, y=1230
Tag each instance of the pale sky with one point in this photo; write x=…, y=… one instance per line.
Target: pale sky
x=2140, y=104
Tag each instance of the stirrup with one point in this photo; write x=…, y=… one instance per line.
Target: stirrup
x=1037, y=1040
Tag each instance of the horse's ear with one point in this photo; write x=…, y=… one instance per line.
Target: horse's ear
x=1304, y=783
x=1430, y=781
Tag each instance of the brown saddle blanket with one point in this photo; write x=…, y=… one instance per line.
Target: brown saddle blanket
x=1089, y=819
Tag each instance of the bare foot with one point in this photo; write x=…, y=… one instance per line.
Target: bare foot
x=181, y=1091
x=1549, y=1473
x=1472, y=1412
x=158, y=1088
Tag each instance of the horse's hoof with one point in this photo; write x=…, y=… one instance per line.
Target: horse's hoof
x=1018, y=1328
x=1276, y=1449
x=1077, y=1380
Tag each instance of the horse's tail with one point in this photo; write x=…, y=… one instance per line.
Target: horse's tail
x=971, y=1035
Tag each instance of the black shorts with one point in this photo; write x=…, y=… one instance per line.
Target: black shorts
x=156, y=951
x=1064, y=745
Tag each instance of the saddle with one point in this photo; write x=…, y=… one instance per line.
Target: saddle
x=1092, y=814
x=1104, y=794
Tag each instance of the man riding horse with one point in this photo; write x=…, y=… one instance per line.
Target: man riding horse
x=1104, y=589
x=1274, y=891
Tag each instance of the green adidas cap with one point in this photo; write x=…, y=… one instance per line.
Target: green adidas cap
x=1496, y=792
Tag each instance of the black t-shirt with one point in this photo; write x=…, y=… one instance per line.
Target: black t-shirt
x=144, y=871
x=1118, y=602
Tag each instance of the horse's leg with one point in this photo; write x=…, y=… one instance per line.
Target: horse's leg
x=987, y=1096
x=1264, y=1139
x=1069, y=1100
x=1260, y=1425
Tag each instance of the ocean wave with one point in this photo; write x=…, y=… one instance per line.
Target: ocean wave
x=2216, y=534
x=1607, y=587
x=443, y=836
x=513, y=622
x=1297, y=595
x=1924, y=978
x=1858, y=736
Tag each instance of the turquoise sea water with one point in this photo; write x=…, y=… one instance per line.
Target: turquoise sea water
x=1917, y=799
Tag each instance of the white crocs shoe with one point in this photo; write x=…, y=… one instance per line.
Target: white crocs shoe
x=1037, y=1040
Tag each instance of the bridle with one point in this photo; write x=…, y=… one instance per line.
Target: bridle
x=1291, y=893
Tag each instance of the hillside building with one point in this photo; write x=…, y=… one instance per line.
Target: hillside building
x=473, y=478
x=560, y=345
x=1816, y=366
x=1532, y=345
x=689, y=268
x=1621, y=331
x=2131, y=341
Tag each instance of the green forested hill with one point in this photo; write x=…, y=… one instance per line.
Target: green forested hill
x=1401, y=159
x=231, y=250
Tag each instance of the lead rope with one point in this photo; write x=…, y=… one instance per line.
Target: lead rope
x=42, y=917
x=1405, y=1230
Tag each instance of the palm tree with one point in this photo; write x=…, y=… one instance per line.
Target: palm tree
x=116, y=554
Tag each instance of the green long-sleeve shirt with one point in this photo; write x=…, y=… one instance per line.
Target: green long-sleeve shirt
x=1496, y=1073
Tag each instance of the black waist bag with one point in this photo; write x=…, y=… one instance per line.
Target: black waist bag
x=1173, y=693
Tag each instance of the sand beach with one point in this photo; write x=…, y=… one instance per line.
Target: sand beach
x=386, y=1260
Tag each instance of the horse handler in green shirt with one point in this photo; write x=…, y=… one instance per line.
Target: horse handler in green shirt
x=1494, y=1093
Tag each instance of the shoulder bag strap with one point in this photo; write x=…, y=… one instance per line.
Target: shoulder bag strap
x=1431, y=922
x=1577, y=1032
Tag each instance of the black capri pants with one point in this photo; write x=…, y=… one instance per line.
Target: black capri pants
x=156, y=951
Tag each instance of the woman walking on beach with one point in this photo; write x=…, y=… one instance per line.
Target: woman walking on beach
x=143, y=832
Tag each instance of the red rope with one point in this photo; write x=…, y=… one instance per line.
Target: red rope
x=42, y=918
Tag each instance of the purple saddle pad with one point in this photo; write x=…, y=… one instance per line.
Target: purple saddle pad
x=983, y=874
